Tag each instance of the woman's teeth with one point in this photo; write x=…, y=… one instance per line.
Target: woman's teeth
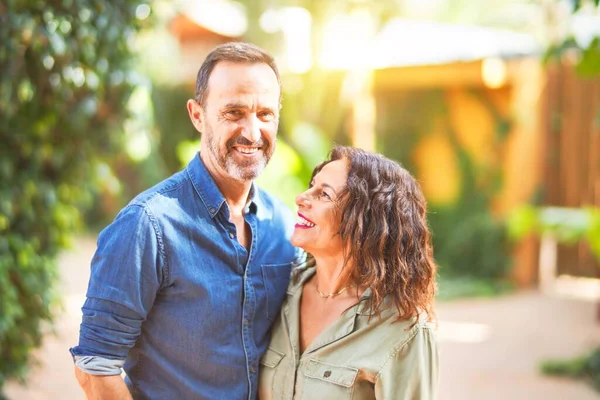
x=305, y=222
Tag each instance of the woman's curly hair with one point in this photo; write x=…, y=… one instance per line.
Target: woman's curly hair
x=384, y=229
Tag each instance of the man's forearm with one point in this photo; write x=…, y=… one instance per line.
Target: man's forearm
x=102, y=387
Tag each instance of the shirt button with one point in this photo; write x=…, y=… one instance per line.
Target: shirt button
x=231, y=235
x=246, y=322
x=252, y=369
x=212, y=210
x=327, y=374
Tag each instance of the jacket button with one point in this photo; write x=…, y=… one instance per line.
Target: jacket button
x=327, y=374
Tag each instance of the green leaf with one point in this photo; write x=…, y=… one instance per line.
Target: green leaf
x=522, y=222
x=589, y=64
x=593, y=234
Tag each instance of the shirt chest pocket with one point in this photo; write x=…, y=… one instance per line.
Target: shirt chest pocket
x=275, y=280
x=326, y=381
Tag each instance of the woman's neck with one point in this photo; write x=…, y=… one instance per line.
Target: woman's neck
x=332, y=274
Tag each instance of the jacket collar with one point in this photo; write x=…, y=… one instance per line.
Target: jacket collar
x=340, y=328
x=354, y=318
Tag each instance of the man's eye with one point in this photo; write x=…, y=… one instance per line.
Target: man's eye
x=234, y=113
x=266, y=116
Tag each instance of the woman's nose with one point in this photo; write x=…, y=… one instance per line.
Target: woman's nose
x=302, y=200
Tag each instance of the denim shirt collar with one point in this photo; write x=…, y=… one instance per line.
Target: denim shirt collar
x=209, y=192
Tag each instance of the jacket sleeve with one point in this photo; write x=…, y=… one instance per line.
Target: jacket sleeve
x=411, y=371
x=126, y=274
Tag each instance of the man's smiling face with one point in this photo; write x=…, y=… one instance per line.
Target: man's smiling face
x=240, y=118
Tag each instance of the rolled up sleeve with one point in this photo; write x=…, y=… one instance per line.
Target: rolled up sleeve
x=411, y=372
x=127, y=272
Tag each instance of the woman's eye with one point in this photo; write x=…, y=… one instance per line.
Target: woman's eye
x=323, y=194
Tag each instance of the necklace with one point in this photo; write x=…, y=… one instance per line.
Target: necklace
x=333, y=294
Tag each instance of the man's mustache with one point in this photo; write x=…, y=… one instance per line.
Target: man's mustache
x=242, y=141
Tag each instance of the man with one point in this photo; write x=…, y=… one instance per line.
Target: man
x=187, y=280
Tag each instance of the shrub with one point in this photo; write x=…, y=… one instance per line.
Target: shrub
x=66, y=74
x=586, y=367
x=470, y=244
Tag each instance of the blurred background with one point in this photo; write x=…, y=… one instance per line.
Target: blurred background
x=493, y=105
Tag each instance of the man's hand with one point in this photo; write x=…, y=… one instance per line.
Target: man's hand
x=102, y=387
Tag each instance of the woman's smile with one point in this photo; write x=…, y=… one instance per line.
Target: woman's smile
x=304, y=223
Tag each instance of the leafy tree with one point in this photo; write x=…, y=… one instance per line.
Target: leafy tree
x=65, y=78
x=588, y=64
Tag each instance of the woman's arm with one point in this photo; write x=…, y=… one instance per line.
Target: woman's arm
x=411, y=372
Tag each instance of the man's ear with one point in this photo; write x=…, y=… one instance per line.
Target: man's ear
x=196, y=114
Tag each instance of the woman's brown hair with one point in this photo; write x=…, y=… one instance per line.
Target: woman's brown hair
x=384, y=229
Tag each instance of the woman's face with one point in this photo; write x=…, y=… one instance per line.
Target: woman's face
x=318, y=224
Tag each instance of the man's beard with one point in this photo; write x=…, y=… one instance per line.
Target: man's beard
x=242, y=170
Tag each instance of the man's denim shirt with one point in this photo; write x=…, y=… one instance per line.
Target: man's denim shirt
x=174, y=296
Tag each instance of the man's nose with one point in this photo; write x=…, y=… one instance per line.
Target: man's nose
x=252, y=129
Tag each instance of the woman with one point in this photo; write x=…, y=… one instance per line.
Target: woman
x=355, y=322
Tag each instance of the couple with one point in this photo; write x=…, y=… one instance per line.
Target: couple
x=190, y=290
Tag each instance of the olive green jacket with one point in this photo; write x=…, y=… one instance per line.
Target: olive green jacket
x=351, y=359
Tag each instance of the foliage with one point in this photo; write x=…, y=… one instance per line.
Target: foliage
x=588, y=64
x=66, y=75
x=450, y=288
x=566, y=225
x=172, y=121
x=162, y=124
x=469, y=242
x=586, y=367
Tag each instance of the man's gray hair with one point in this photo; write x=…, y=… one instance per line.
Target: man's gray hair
x=236, y=52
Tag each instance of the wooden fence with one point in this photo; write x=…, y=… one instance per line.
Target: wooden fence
x=571, y=125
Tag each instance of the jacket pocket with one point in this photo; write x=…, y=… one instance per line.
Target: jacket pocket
x=271, y=358
x=327, y=381
x=267, y=388
x=275, y=279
